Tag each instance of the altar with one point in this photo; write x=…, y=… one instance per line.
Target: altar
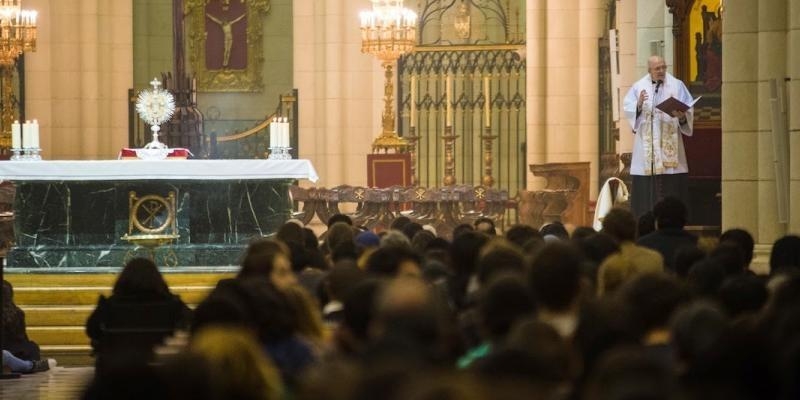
x=73, y=215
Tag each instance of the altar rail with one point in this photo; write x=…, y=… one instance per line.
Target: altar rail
x=375, y=208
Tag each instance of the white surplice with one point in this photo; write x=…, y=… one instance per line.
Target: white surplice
x=657, y=145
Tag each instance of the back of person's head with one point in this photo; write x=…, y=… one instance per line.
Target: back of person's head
x=628, y=373
x=554, y=276
x=620, y=224
x=291, y=232
x=410, y=229
x=651, y=299
x=685, y=257
x=670, y=212
x=339, y=233
x=520, y=234
x=261, y=256
x=646, y=224
x=310, y=239
x=502, y=303
x=394, y=238
x=391, y=261
x=731, y=257
x=347, y=250
x=237, y=365
x=614, y=272
x=359, y=307
x=550, y=352
x=141, y=277
x=420, y=241
x=582, y=232
x=464, y=251
x=339, y=218
x=741, y=238
x=785, y=254
x=743, y=295
x=705, y=278
x=499, y=260
x=8, y=294
x=555, y=228
x=399, y=222
x=597, y=246
x=696, y=328
x=342, y=278
x=306, y=310
x=460, y=229
x=485, y=225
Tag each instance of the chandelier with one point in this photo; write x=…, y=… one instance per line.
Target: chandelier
x=388, y=31
x=17, y=31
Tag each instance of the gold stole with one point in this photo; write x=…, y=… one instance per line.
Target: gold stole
x=660, y=152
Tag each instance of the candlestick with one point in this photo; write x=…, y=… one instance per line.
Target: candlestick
x=449, y=99
x=487, y=102
x=413, y=102
x=16, y=135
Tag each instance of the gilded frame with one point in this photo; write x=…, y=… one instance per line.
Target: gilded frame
x=225, y=79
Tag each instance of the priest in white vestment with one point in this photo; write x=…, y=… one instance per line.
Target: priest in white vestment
x=658, y=165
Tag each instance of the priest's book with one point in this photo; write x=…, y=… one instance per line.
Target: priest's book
x=672, y=104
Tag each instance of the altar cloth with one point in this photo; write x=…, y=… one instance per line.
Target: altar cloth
x=106, y=170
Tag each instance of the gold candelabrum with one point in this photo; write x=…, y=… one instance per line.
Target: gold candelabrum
x=388, y=31
x=17, y=35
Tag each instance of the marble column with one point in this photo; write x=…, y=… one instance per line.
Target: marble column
x=77, y=81
x=340, y=88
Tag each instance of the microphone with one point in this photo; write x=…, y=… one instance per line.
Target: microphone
x=658, y=84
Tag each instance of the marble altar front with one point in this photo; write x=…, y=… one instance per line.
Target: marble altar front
x=73, y=214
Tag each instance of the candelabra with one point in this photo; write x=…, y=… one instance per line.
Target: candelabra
x=17, y=35
x=388, y=31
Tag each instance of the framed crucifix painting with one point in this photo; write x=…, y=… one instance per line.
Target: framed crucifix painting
x=225, y=44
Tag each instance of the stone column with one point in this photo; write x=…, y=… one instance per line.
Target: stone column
x=536, y=93
x=629, y=73
x=77, y=81
x=340, y=89
x=793, y=89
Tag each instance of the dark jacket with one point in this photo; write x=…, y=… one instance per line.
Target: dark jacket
x=667, y=241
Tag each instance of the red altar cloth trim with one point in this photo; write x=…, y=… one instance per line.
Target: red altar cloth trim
x=178, y=153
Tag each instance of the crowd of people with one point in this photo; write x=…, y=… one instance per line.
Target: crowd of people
x=641, y=309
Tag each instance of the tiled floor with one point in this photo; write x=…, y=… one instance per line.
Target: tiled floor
x=59, y=383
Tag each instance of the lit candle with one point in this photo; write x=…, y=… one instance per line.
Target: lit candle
x=413, y=102
x=16, y=135
x=486, y=102
x=449, y=99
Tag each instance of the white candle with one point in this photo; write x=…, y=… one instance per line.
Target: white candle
x=16, y=135
x=413, y=102
x=449, y=99
x=273, y=133
x=486, y=102
x=26, y=135
x=35, y=134
x=286, y=132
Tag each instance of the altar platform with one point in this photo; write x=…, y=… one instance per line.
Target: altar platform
x=72, y=215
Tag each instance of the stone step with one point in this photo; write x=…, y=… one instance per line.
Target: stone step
x=88, y=295
x=108, y=279
x=58, y=335
x=69, y=355
x=57, y=315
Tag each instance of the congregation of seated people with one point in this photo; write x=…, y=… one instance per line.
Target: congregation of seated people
x=481, y=312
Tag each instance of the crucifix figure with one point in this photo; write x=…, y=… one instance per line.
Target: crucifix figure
x=227, y=32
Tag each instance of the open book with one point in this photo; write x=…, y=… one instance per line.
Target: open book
x=672, y=104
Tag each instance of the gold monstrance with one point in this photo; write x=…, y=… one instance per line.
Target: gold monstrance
x=388, y=31
x=17, y=35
